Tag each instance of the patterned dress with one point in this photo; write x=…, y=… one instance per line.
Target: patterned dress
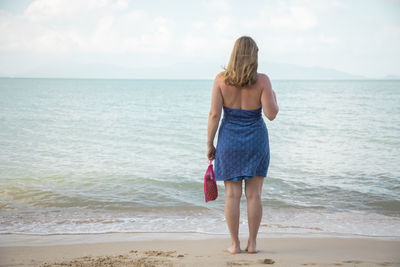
x=242, y=150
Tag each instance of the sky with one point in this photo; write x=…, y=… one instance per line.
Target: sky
x=195, y=38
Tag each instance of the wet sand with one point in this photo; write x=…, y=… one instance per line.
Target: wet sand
x=163, y=249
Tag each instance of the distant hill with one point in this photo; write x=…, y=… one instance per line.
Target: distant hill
x=290, y=71
x=3, y=75
x=69, y=70
x=186, y=70
x=392, y=77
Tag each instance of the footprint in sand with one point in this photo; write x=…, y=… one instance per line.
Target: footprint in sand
x=159, y=253
x=267, y=261
x=384, y=263
x=238, y=263
x=246, y=262
x=353, y=261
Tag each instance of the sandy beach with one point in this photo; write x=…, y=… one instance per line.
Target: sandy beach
x=166, y=249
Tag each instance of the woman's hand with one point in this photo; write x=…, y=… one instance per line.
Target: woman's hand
x=210, y=152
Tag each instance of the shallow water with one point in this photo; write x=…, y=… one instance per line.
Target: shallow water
x=91, y=156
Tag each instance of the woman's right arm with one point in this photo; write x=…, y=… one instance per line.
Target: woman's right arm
x=268, y=99
x=214, y=116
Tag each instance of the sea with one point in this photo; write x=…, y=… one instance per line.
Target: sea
x=81, y=156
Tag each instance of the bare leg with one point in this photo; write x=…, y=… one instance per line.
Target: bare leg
x=233, y=193
x=253, y=189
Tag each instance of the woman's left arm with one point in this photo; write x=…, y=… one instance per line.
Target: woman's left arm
x=214, y=116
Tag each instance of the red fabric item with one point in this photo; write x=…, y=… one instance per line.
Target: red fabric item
x=210, y=186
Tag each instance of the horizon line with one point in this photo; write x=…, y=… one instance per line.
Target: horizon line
x=204, y=79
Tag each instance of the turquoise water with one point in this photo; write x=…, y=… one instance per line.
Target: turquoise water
x=94, y=156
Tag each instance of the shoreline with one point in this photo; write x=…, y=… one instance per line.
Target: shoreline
x=38, y=239
x=192, y=249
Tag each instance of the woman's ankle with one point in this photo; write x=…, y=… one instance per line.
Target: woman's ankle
x=252, y=241
x=235, y=242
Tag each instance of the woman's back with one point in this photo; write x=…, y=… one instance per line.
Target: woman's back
x=248, y=98
x=251, y=97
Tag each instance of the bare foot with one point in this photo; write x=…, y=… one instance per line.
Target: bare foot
x=251, y=247
x=234, y=249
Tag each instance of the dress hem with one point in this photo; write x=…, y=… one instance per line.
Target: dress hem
x=241, y=177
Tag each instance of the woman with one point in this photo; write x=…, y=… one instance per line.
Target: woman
x=242, y=151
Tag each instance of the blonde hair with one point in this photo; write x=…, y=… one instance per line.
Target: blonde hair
x=242, y=67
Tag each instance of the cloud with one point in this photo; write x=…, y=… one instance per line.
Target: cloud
x=223, y=23
x=121, y=4
x=194, y=44
x=18, y=34
x=203, y=46
x=304, y=32
x=218, y=5
x=283, y=16
x=42, y=10
x=135, y=33
x=329, y=40
x=293, y=17
x=59, y=26
x=391, y=30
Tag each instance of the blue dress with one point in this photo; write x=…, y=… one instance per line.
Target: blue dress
x=243, y=147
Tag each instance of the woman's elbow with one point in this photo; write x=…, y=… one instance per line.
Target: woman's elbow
x=214, y=116
x=272, y=115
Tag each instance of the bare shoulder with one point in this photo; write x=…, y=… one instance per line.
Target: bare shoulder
x=264, y=80
x=219, y=79
x=263, y=77
x=220, y=76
